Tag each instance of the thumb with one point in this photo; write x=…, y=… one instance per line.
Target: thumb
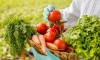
x=52, y=56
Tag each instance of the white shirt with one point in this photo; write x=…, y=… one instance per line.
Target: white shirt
x=78, y=8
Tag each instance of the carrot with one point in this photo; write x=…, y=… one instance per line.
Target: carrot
x=30, y=42
x=35, y=39
x=43, y=44
x=70, y=48
x=23, y=55
x=52, y=46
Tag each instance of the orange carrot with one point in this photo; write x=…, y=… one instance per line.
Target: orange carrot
x=70, y=48
x=35, y=39
x=23, y=55
x=52, y=46
x=43, y=44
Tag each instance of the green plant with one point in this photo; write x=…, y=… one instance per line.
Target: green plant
x=31, y=10
x=85, y=37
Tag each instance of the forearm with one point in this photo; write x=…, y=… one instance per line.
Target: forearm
x=71, y=14
x=64, y=17
x=69, y=17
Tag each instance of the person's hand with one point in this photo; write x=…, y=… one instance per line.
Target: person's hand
x=49, y=55
x=47, y=10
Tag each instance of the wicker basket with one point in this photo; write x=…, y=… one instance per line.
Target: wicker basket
x=61, y=55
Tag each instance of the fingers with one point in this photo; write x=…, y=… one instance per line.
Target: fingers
x=51, y=55
x=46, y=14
x=47, y=10
x=50, y=7
x=34, y=51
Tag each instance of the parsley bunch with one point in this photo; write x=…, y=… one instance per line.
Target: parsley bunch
x=17, y=32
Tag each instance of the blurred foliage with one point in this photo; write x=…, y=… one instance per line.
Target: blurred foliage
x=32, y=10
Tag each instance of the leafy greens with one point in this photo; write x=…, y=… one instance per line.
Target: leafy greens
x=85, y=37
x=17, y=32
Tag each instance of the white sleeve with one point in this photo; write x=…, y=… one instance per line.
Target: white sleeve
x=71, y=14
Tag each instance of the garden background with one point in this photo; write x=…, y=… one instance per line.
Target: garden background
x=32, y=10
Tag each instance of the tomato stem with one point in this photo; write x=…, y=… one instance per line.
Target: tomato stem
x=62, y=36
x=64, y=21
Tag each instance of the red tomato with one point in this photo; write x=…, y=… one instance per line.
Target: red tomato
x=62, y=45
x=49, y=37
x=53, y=30
x=59, y=25
x=54, y=15
x=42, y=28
x=56, y=26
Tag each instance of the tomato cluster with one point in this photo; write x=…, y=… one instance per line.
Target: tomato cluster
x=52, y=34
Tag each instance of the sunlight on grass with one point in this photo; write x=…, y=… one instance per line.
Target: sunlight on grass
x=32, y=10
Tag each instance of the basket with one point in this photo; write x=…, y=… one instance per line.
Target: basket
x=62, y=55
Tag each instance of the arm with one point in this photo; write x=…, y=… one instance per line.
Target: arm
x=71, y=14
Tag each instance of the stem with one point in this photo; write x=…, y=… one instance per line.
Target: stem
x=62, y=36
x=23, y=55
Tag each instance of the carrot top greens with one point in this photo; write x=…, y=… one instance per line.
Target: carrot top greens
x=17, y=32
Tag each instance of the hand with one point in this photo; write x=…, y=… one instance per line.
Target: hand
x=47, y=10
x=49, y=55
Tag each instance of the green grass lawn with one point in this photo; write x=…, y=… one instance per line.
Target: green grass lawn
x=32, y=10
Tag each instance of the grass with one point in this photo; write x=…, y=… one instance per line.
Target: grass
x=32, y=10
